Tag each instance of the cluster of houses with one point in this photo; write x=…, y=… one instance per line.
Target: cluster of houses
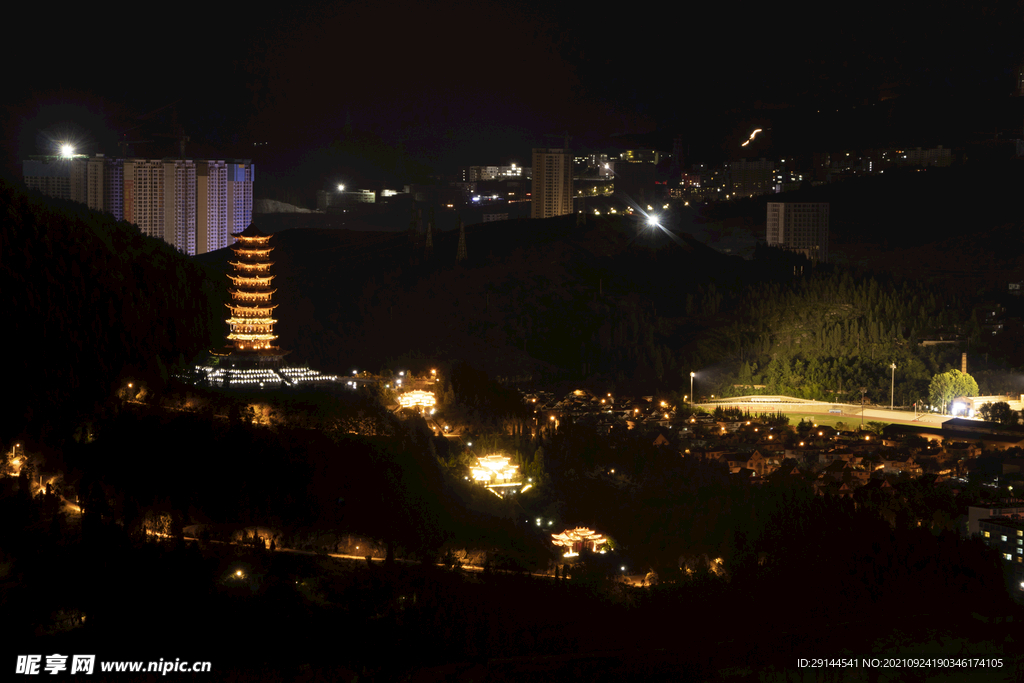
x=835, y=462
x=602, y=412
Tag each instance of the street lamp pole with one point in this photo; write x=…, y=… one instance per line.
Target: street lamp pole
x=892, y=389
x=692, y=375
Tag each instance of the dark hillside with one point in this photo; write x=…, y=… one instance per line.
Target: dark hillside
x=533, y=297
x=89, y=301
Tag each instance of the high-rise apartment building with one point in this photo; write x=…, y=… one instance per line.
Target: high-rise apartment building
x=212, y=206
x=50, y=175
x=750, y=177
x=180, y=204
x=240, y=176
x=473, y=174
x=144, y=196
x=105, y=185
x=800, y=227
x=193, y=205
x=552, y=192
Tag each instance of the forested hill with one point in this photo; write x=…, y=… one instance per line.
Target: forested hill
x=548, y=298
x=615, y=301
x=89, y=301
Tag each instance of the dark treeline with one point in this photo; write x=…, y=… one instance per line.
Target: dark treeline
x=827, y=335
x=558, y=301
x=89, y=301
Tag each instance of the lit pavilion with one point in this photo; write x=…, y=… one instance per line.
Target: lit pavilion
x=576, y=540
x=417, y=399
x=495, y=474
x=494, y=470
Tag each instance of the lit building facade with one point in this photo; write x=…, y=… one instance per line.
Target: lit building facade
x=212, y=207
x=1006, y=534
x=144, y=196
x=474, y=174
x=50, y=175
x=750, y=177
x=105, y=185
x=193, y=205
x=799, y=227
x=179, y=204
x=240, y=177
x=552, y=190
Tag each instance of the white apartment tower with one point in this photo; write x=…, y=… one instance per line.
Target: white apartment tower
x=193, y=205
x=800, y=227
x=239, y=197
x=552, y=192
x=105, y=185
x=180, y=204
x=144, y=196
x=212, y=206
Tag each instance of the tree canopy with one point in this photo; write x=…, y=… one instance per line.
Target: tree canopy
x=949, y=385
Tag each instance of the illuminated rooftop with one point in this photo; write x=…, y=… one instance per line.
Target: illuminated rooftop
x=575, y=540
x=417, y=399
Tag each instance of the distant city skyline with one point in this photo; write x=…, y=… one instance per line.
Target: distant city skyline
x=408, y=91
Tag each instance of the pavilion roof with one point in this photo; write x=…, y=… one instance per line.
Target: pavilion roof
x=251, y=231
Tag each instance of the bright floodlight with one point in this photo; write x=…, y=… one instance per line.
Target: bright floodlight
x=66, y=150
x=652, y=220
x=341, y=188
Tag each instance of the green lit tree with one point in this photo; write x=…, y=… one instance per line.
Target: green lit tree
x=947, y=386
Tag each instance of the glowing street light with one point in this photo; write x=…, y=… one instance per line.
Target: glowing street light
x=692, y=375
x=341, y=188
x=67, y=151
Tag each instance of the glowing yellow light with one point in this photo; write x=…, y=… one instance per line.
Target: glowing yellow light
x=578, y=539
x=417, y=398
x=494, y=470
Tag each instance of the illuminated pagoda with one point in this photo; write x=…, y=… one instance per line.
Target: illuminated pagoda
x=252, y=321
x=251, y=358
x=576, y=540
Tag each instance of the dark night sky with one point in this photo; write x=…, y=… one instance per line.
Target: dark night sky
x=447, y=84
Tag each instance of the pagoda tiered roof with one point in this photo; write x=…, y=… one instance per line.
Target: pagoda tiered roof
x=252, y=326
